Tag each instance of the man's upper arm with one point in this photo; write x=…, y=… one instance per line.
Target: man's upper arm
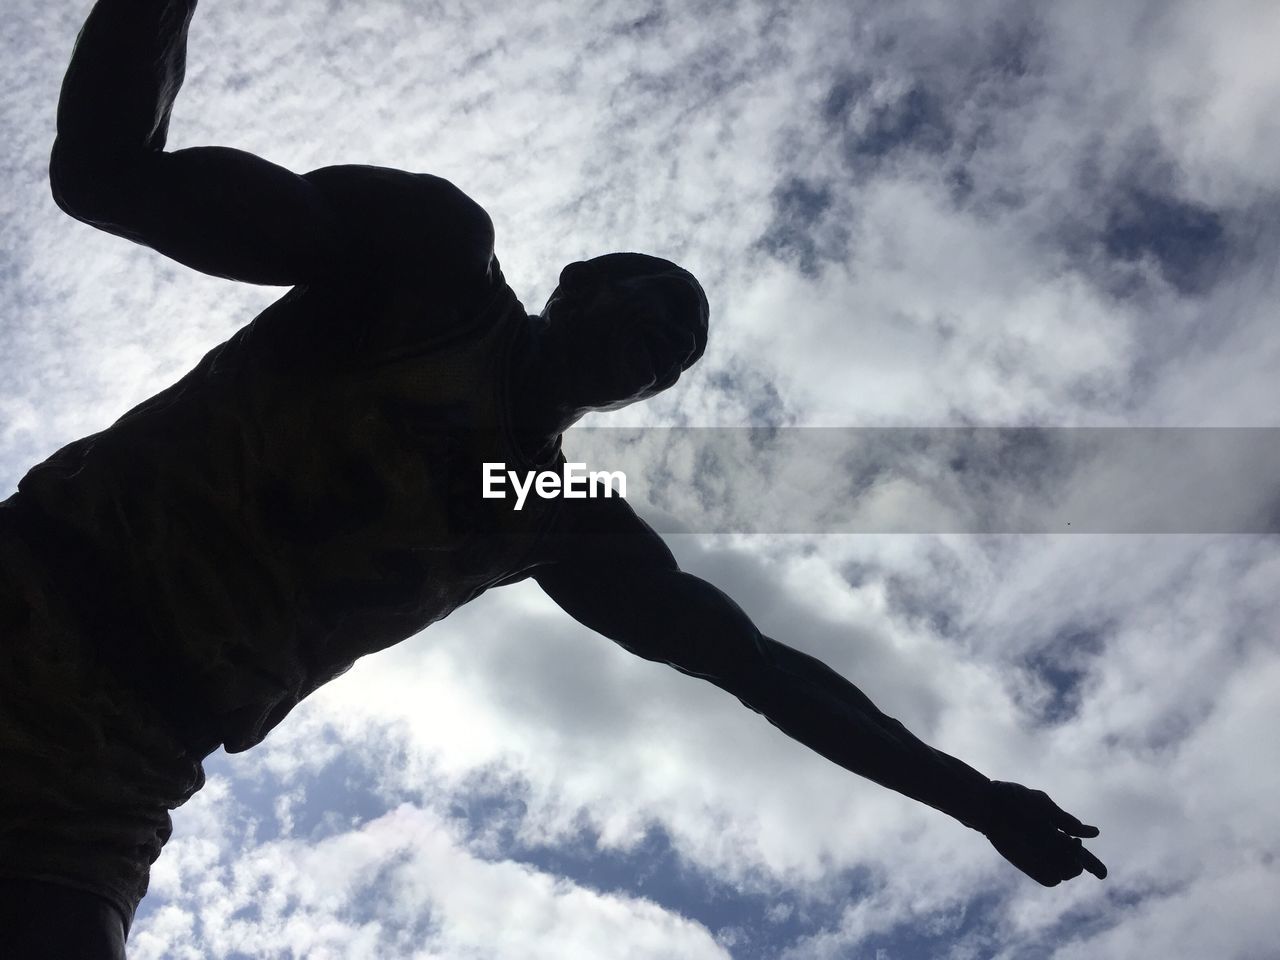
x=232, y=214
x=615, y=575
x=221, y=211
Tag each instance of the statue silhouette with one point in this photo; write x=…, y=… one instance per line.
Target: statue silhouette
x=310, y=493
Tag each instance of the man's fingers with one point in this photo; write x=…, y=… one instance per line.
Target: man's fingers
x=1088, y=861
x=1069, y=824
x=1092, y=864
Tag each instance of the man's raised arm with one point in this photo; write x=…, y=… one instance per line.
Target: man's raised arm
x=222, y=211
x=627, y=587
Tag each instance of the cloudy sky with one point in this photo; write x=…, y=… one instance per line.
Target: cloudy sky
x=911, y=214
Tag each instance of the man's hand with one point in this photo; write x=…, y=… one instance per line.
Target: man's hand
x=1037, y=836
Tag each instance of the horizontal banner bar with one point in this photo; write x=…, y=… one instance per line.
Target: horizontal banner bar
x=943, y=480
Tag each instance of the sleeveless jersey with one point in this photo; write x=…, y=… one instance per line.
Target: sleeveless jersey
x=308, y=494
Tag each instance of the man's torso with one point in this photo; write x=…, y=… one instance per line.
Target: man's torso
x=308, y=494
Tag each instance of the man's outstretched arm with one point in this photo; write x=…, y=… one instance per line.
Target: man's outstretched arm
x=627, y=587
x=222, y=211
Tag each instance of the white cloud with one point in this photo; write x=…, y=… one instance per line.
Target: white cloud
x=403, y=885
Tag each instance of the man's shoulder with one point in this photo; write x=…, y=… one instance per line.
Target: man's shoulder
x=590, y=537
x=600, y=532
x=415, y=224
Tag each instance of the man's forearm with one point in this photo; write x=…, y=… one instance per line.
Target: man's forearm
x=126, y=70
x=222, y=211
x=813, y=704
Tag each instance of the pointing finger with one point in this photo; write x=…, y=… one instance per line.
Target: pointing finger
x=1092, y=863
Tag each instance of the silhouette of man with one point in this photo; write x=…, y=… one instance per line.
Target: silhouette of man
x=310, y=493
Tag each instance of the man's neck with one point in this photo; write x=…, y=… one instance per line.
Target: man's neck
x=538, y=410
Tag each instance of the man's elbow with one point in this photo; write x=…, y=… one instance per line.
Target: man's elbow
x=87, y=188
x=66, y=182
x=722, y=646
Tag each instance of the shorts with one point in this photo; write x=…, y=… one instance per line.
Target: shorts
x=88, y=770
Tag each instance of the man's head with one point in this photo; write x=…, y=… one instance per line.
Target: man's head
x=623, y=327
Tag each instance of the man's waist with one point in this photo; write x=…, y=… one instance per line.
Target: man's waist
x=95, y=601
